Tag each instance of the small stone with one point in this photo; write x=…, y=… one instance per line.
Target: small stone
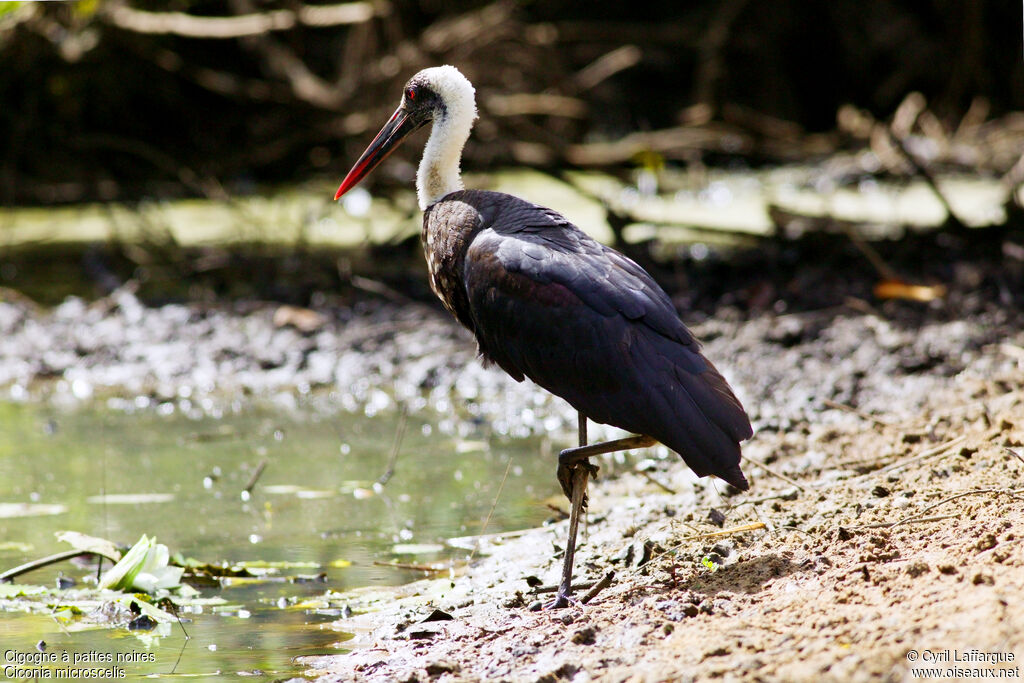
x=675, y=611
x=441, y=667
x=141, y=623
x=723, y=549
x=916, y=569
x=880, y=492
x=982, y=580
x=584, y=636
x=515, y=601
x=986, y=542
x=421, y=635
x=716, y=517
x=437, y=615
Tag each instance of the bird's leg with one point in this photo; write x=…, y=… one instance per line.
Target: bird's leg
x=574, y=467
x=573, y=473
x=570, y=457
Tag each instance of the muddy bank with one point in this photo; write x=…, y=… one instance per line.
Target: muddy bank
x=897, y=540
x=793, y=325
x=378, y=355
x=887, y=531
x=895, y=525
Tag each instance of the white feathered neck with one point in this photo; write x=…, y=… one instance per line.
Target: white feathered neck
x=439, y=173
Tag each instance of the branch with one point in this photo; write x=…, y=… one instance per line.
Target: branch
x=10, y=574
x=668, y=142
x=191, y=26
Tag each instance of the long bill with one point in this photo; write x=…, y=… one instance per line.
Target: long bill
x=400, y=126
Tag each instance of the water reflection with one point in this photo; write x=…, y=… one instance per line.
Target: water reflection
x=315, y=507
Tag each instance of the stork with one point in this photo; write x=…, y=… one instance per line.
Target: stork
x=546, y=301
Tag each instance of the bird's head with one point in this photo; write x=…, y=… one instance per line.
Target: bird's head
x=437, y=93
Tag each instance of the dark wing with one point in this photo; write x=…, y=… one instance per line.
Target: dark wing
x=589, y=325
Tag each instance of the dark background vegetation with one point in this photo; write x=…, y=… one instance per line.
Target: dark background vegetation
x=103, y=102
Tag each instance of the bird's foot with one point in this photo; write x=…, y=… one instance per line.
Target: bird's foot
x=565, y=477
x=562, y=600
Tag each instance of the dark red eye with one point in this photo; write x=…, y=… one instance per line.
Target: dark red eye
x=411, y=94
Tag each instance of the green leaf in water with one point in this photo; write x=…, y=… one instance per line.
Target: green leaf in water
x=276, y=564
x=17, y=590
x=66, y=613
x=93, y=544
x=416, y=548
x=145, y=607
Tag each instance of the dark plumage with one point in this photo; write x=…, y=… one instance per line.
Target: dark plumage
x=548, y=302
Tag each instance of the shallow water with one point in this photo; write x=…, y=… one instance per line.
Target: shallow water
x=118, y=475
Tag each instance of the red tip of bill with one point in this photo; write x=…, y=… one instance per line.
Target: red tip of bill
x=398, y=128
x=353, y=177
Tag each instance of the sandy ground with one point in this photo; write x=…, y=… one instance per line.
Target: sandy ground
x=888, y=530
x=889, y=536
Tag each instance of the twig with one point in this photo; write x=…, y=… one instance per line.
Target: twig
x=396, y=445
x=490, y=512
x=562, y=514
x=828, y=403
x=657, y=483
x=192, y=26
x=923, y=455
x=796, y=529
x=379, y=288
x=45, y=561
x=879, y=264
x=306, y=86
x=184, y=644
x=1014, y=453
x=605, y=581
x=413, y=567
x=772, y=472
x=915, y=517
x=785, y=495
x=552, y=588
x=712, y=49
x=255, y=476
x=889, y=525
x=520, y=104
x=925, y=173
x=753, y=526
x=767, y=522
x=606, y=66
